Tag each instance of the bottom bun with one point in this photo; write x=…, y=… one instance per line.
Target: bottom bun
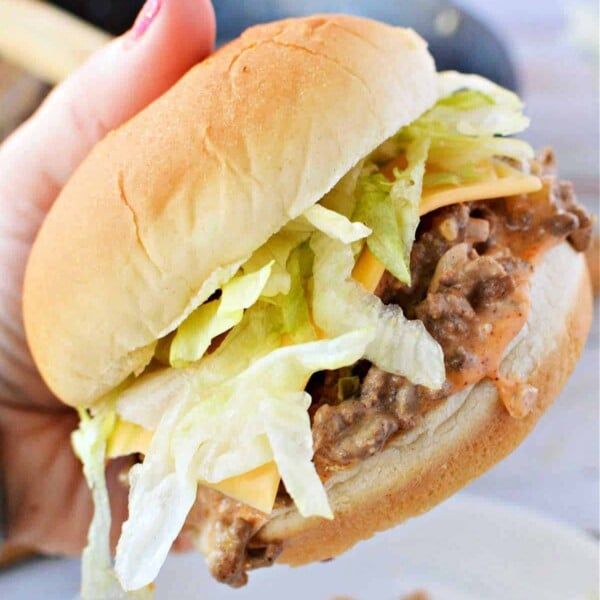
x=462, y=438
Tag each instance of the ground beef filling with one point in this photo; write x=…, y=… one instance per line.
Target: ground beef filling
x=470, y=265
x=223, y=528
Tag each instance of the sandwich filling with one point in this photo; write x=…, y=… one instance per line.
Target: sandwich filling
x=403, y=285
x=471, y=265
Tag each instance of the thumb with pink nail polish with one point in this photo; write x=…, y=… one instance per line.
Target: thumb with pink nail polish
x=145, y=18
x=46, y=504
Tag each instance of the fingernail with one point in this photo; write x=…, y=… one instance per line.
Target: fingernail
x=145, y=18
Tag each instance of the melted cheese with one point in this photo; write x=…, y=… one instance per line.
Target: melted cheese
x=502, y=181
x=368, y=270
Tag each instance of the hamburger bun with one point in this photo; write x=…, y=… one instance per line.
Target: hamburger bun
x=191, y=186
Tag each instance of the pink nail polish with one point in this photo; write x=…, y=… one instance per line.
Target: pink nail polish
x=145, y=18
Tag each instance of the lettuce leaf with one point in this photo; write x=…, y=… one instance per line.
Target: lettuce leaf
x=340, y=197
x=340, y=305
x=159, y=500
x=277, y=250
x=225, y=433
x=474, y=105
x=295, y=311
x=146, y=399
x=335, y=225
x=98, y=579
x=391, y=210
x=455, y=152
x=465, y=123
x=257, y=335
x=213, y=282
x=375, y=208
x=226, y=428
x=195, y=334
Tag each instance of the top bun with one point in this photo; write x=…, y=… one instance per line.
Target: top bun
x=246, y=141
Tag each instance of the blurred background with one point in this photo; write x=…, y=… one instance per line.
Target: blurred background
x=547, y=50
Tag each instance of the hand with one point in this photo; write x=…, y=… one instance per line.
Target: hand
x=47, y=504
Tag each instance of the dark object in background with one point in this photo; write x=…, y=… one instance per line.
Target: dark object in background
x=457, y=40
x=115, y=16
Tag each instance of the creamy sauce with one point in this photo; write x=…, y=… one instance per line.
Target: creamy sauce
x=497, y=328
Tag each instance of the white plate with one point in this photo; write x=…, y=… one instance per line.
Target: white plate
x=466, y=549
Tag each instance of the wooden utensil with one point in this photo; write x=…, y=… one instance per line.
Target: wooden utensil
x=46, y=40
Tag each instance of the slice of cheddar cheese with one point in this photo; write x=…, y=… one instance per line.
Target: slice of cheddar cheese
x=127, y=438
x=501, y=181
x=258, y=488
x=368, y=270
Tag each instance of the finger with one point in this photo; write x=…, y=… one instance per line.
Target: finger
x=47, y=502
x=116, y=83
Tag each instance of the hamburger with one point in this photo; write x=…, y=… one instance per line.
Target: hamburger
x=312, y=290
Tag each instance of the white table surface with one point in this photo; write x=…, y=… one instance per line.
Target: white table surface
x=531, y=558
x=556, y=469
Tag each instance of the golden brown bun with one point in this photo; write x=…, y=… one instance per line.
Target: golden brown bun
x=247, y=140
x=461, y=439
x=593, y=259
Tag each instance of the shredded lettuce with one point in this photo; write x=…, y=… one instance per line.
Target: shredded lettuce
x=391, y=210
x=195, y=334
x=295, y=311
x=456, y=135
x=465, y=123
x=341, y=197
x=335, y=225
x=277, y=250
x=473, y=105
x=226, y=430
x=98, y=579
x=89, y=443
x=146, y=400
x=455, y=152
x=212, y=283
x=159, y=500
x=340, y=305
x=257, y=335
x=375, y=208
x=229, y=428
